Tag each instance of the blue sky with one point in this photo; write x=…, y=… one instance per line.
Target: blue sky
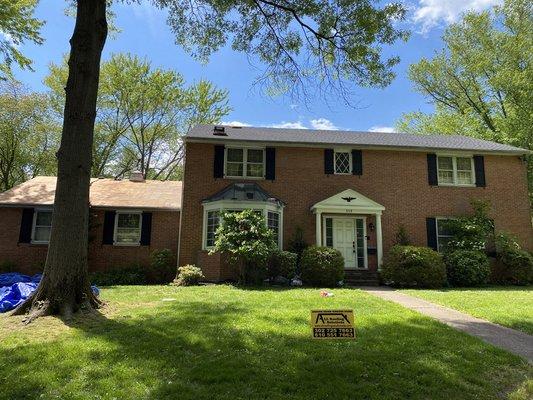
x=146, y=34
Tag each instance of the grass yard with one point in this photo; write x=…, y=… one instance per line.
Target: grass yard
x=510, y=306
x=222, y=342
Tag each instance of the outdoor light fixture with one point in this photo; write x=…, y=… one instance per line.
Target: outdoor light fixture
x=371, y=227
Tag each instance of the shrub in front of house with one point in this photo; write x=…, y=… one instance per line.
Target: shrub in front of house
x=162, y=267
x=7, y=266
x=322, y=266
x=189, y=275
x=281, y=263
x=467, y=268
x=248, y=242
x=411, y=266
x=513, y=265
x=129, y=275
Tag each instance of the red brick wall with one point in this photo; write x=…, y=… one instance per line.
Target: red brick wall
x=396, y=179
x=29, y=258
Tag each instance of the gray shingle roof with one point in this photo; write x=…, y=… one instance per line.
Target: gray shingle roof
x=353, y=138
x=243, y=192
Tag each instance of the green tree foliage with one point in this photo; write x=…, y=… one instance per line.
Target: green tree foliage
x=29, y=137
x=481, y=83
x=245, y=237
x=17, y=26
x=142, y=113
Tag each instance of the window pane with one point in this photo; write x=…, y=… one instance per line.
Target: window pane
x=329, y=232
x=234, y=169
x=443, y=227
x=43, y=218
x=128, y=235
x=445, y=176
x=342, y=163
x=464, y=177
x=255, y=156
x=273, y=224
x=235, y=155
x=360, y=242
x=445, y=163
x=254, y=170
x=464, y=164
x=212, y=225
x=42, y=234
x=129, y=221
x=443, y=242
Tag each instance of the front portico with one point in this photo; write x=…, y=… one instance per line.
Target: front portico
x=341, y=223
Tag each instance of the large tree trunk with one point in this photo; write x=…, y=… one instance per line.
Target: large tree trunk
x=65, y=285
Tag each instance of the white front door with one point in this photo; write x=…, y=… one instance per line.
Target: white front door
x=344, y=239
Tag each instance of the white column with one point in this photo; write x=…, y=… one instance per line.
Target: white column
x=379, y=241
x=318, y=228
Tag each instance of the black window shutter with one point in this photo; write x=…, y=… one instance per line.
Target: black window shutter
x=109, y=227
x=146, y=232
x=432, y=170
x=25, y=225
x=479, y=168
x=270, y=173
x=328, y=161
x=218, y=164
x=357, y=162
x=431, y=227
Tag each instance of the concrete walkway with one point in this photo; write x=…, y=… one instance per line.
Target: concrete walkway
x=516, y=342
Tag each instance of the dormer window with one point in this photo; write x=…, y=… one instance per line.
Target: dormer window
x=242, y=162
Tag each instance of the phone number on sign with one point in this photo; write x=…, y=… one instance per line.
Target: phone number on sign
x=333, y=332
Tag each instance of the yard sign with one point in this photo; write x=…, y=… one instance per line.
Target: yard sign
x=332, y=324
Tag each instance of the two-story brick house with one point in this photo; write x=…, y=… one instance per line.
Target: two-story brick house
x=348, y=190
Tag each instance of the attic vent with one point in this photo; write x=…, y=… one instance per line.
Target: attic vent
x=136, y=176
x=219, y=131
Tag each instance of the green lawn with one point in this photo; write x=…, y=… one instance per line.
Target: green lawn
x=221, y=342
x=509, y=306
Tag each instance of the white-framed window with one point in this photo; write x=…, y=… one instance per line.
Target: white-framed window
x=128, y=226
x=42, y=225
x=271, y=212
x=456, y=170
x=443, y=233
x=343, y=162
x=244, y=162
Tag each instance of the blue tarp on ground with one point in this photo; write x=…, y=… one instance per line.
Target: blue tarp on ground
x=15, y=288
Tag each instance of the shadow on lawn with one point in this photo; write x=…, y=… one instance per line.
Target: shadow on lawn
x=199, y=350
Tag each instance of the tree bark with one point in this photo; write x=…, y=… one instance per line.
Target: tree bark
x=65, y=286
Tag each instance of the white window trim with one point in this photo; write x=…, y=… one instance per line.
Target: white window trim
x=437, y=219
x=454, y=168
x=33, y=225
x=244, y=162
x=223, y=205
x=350, y=161
x=116, y=226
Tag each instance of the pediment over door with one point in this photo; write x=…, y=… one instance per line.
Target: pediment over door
x=348, y=201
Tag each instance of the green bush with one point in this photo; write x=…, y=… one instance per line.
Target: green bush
x=297, y=244
x=514, y=265
x=322, y=266
x=7, y=266
x=162, y=267
x=467, y=267
x=189, y=275
x=282, y=263
x=130, y=275
x=412, y=266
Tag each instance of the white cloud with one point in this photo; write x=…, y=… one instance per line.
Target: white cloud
x=431, y=13
x=379, y=128
x=235, y=123
x=152, y=16
x=323, y=123
x=289, y=125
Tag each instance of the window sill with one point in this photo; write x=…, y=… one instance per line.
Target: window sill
x=37, y=244
x=454, y=185
x=127, y=244
x=342, y=173
x=254, y=178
